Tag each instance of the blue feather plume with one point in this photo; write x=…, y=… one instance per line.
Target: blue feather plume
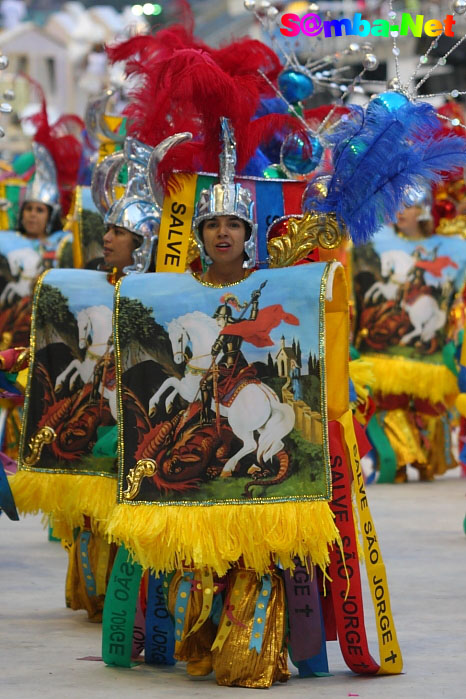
x=377, y=154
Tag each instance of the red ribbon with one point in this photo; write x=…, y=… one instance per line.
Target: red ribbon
x=347, y=603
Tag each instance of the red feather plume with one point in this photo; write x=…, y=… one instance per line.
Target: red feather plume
x=185, y=85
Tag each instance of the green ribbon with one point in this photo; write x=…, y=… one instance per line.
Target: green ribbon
x=385, y=453
x=448, y=356
x=120, y=610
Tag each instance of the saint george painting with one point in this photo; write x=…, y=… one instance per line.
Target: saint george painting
x=70, y=408
x=221, y=391
x=404, y=293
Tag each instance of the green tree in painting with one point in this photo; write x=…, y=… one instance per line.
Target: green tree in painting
x=140, y=335
x=54, y=319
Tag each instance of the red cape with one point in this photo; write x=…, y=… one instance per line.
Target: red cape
x=257, y=332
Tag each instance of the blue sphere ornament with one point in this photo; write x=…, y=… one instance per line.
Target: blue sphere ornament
x=300, y=156
x=295, y=86
x=390, y=100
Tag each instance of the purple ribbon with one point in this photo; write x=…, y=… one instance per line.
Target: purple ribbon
x=302, y=597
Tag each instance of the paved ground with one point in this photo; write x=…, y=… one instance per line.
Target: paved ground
x=424, y=547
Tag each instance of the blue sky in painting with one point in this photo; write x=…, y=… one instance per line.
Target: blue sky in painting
x=83, y=288
x=297, y=290
x=451, y=247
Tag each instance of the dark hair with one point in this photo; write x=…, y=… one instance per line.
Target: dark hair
x=54, y=222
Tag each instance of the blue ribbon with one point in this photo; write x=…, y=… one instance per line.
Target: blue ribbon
x=262, y=602
x=269, y=206
x=7, y=503
x=160, y=633
x=83, y=542
x=181, y=606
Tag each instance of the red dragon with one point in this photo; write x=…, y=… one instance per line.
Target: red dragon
x=187, y=453
x=74, y=419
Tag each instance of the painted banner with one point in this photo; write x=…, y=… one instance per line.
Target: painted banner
x=222, y=390
x=22, y=261
x=404, y=291
x=70, y=406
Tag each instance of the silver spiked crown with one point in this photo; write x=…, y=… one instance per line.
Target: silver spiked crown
x=227, y=198
x=43, y=187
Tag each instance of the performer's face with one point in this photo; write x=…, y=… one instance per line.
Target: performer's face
x=119, y=244
x=34, y=218
x=224, y=238
x=407, y=220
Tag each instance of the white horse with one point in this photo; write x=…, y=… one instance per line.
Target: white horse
x=256, y=407
x=425, y=316
x=396, y=266
x=26, y=264
x=94, y=328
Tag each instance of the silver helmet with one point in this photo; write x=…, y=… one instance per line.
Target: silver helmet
x=227, y=198
x=420, y=196
x=43, y=187
x=136, y=210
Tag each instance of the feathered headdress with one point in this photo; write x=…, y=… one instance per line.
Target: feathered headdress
x=377, y=155
x=185, y=85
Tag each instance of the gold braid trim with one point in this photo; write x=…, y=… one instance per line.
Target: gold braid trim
x=452, y=226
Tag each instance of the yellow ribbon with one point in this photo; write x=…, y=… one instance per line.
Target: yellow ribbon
x=391, y=662
x=175, y=226
x=237, y=593
x=207, y=585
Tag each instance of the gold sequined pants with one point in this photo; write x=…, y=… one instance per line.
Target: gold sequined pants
x=101, y=555
x=234, y=664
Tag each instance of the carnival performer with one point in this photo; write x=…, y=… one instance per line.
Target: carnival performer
x=25, y=255
x=406, y=282
x=73, y=479
x=175, y=511
x=119, y=244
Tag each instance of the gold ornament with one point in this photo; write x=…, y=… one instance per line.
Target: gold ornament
x=452, y=226
x=193, y=249
x=46, y=435
x=304, y=234
x=143, y=468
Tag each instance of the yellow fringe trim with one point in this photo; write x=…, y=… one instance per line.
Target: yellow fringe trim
x=172, y=537
x=65, y=498
x=429, y=381
x=362, y=376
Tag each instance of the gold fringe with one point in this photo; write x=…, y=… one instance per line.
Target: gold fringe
x=66, y=498
x=173, y=537
x=362, y=376
x=396, y=375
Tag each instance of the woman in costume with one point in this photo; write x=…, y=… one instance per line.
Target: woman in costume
x=67, y=458
x=131, y=223
x=24, y=255
x=405, y=283
x=219, y=592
